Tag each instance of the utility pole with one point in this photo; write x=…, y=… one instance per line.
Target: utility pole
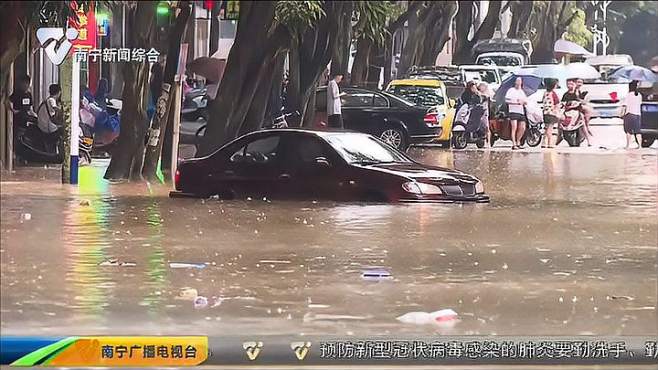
x=599, y=29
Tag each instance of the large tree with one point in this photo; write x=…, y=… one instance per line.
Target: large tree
x=468, y=16
x=259, y=39
x=128, y=157
x=428, y=33
x=163, y=127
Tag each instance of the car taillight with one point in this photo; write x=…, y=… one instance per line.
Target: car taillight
x=431, y=119
x=177, y=179
x=614, y=97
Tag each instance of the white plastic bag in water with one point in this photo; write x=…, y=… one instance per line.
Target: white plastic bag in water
x=418, y=318
x=441, y=317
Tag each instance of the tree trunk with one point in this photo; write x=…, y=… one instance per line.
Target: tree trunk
x=160, y=126
x=214, y=27
x=256, y=44
x=427, y=38
x=258, y=108
x=520, y=23
x=309, y=58
x=551, y=21
x=393, y=27
x=12, y=38
x=275, y=104
x=361, y=61
x=464, y=18
x=124, y=164
x=340, y=54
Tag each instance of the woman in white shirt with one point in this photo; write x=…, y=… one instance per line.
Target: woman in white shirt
x=632, y=105
x=516, y=100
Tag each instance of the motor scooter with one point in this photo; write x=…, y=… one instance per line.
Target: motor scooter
x=195, y=105
x=468, y=127
x=572, y=124
x=501, y=129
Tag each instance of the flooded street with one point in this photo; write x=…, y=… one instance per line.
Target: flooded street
x=567, y=246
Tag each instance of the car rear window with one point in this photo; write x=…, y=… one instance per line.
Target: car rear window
x=261, y=150
x=419, y=95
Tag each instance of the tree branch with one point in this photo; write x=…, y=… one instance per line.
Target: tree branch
x=414, y=6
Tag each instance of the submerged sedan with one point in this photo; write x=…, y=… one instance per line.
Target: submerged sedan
x=332, y=165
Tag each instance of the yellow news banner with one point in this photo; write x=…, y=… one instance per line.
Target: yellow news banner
x=133, y=351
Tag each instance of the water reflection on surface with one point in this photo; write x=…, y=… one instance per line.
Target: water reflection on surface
x=567, y=246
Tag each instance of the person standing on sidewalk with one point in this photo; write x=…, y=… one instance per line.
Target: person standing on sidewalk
x=333, y=102
x=631, y=113
x=516, y=100
x=551, y=108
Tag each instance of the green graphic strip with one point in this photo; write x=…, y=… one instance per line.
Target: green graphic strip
x=38, y=356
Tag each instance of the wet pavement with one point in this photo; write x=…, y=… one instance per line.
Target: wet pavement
x=567, y=246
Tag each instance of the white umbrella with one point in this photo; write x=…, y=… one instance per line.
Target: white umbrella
x=581, y=70
x=563, y=46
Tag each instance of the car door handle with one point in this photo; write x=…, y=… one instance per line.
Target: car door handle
x=284, y=176
x=229, y=172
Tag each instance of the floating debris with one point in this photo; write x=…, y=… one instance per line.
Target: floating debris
x=200, y=302
x=115, y=262
x=186, y=265
x=376, y=274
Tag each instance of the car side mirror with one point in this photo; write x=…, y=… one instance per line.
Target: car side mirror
x=452, y=103
x=322, y=161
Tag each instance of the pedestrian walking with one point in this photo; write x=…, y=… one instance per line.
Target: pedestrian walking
x=551, y=110
x=333, y=102
x=516, y=101
x=631, y=113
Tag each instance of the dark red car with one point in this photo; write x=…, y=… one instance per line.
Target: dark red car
x=333, y=165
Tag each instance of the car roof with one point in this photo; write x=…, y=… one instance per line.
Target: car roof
x=321, y=132
x=478, y=66
x=417, y=82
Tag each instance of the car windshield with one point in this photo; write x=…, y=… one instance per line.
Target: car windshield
x=484, y=75
x=364, y=149
x=500, y=60
x=419, y=95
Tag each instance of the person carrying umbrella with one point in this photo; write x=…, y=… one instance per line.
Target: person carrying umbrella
x=516, y=100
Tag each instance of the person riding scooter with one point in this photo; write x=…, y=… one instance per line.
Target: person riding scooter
x=572, y=100
x=50, y=115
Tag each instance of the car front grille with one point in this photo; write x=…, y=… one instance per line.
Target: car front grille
x=458, y=190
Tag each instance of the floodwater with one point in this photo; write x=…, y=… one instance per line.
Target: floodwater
x=567, y=246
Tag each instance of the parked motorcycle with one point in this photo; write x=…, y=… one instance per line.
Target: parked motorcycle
x=36, y=146
x=572, y=124
x=468, y=126
x=100, y=127
x=501, y=129
x=195, y=105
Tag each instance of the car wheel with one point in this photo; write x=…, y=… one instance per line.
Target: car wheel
x=394, y=137
x=493, y=140
x=480, y=143
x=647, y=141
x=459, y=140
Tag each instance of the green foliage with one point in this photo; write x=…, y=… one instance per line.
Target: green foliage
x=298, y=15
x=372, y=18
x=577, y=30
